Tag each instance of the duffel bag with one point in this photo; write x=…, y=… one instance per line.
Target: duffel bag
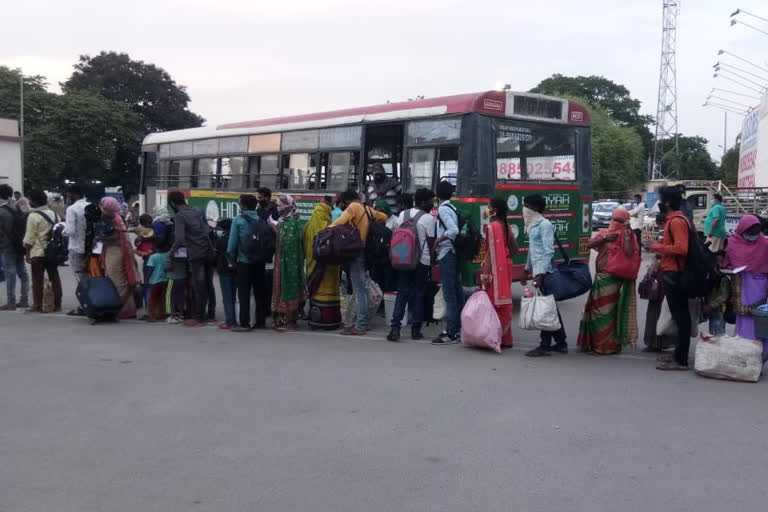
x=569, y=279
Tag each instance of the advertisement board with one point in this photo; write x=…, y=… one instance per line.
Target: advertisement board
x=753, y=155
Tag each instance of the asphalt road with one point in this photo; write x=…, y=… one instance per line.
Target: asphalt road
x=139, y=417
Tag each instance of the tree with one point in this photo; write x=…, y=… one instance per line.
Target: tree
x=147, y=89
x=36, y=96
x=618, y=164
x=692, y=161
x=614, y=98
x=728, y=172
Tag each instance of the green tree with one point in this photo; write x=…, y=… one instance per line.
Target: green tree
x=692, y=161
x=36, y=97
x=614, y=98
x=728, y=172
x=147, y=89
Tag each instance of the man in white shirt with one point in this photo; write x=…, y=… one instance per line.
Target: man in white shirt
x=74, y=229
x=637, y=217
x=411, y=283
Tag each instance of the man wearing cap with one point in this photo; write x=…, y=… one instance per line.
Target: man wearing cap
x=385, y=188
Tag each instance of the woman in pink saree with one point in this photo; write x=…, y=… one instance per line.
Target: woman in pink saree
x=117, y=260
x=496, y=274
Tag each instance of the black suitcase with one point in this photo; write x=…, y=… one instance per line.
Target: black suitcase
x=99, y=299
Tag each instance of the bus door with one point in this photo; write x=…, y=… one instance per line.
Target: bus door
x=383, y=145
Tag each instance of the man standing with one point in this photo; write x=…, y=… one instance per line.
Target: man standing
x=266, y=206
x=674, y=250
x=447, y=230
x=410, y=283
x=192, y=236
x=355, y=213
x=714, y=225
x=74, y=229
x=40, y=221
x=21, y=202
x=637, y=218
x=250, y=274
x=12, y=251
x=384, y=188
x=541, y=252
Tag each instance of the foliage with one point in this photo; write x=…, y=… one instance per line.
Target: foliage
x=692, y=161
x=614, y=98
x=147, y=89
x=728, y=172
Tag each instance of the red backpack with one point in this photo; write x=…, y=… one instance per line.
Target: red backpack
x=405, y=250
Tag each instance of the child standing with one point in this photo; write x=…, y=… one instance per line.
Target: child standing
x=158, y=287
x=226, y=273
x=716, y=299
x=145, y=246
x=176, y=292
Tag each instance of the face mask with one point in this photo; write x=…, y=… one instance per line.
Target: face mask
x=378, y=178
x=750, y=238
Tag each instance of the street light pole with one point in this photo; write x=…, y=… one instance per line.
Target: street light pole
x=21, y=127
x=725, y=134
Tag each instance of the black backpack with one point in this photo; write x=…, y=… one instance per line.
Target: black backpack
x=260, y=246
x=468, y=241
x=56, y=251
x=699, y=274
x=378, y=242
x=18, y=229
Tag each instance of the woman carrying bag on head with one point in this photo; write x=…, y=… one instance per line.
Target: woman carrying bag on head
x=496, y=276
x=609, y=321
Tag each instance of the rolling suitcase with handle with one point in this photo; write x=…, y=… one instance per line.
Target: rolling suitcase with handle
x=99, y=299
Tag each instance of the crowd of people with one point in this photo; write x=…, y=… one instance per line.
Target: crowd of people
x=166, y=264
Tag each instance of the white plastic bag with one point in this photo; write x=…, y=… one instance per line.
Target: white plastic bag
x=480, y=325
x=665, y=325
x=438, y=310
x=539, y=313
x=729, y=358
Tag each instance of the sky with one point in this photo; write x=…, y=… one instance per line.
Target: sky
x=251, y=59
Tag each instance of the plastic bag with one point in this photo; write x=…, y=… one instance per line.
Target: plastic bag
x=665, y=325
x=729, y=358
x=539, y=313
x=49, y=301
x=348, y=304
x=480, y=325
x=438, y=311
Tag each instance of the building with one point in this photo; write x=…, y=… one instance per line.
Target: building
x=10, y=153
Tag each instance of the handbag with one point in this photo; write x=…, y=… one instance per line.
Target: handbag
x=651, y=287
x=618, y=263
x=569, y=279
x=539, y=313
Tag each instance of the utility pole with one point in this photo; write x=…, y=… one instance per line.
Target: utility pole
x=21, y=127
x=725, y=135
x=666, y=108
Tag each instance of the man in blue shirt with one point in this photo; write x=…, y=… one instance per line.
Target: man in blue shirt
x=448, y=262
x=541, y=252
x=251, y=275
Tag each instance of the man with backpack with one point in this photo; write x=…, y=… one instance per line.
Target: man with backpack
x=448, y=261
x=251, y=246
x=192, y=240
x=74, y=230
x=410, y=254
x=12, y=226
x=358, y=215
x=39, y=241
x=674, y=252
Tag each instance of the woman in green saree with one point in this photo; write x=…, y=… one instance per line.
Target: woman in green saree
x=288, y=284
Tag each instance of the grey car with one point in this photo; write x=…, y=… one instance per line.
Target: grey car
x=601, y=214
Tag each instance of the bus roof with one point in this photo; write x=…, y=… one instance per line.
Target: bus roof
x=531, y=106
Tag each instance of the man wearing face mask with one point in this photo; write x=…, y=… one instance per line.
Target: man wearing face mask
x=266, y=206
x=384, y=188
x=541, y=240
x=674, y=251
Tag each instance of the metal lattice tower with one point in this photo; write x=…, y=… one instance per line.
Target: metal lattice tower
x=665, y=140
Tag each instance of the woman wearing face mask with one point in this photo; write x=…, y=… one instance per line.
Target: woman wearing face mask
x=610, y=316
x=288, y=285
x=496, y=276
x=747, y=247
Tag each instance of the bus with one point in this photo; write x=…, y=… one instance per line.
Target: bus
x=490, y=143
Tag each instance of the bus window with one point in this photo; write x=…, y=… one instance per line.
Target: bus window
x=301, y=170
x=447, y=164
x=342, y=166
x=181, y=170
x=434, y=131
x=206, y=171
x=533, y=152
x=232, y=172
x=420, y=166
x=173, y=174
x=269, y=170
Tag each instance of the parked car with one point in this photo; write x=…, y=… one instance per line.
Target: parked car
x=601, y=213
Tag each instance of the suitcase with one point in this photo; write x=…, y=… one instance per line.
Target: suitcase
x=99, y=299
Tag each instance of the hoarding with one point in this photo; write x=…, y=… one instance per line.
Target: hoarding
x=753, y=156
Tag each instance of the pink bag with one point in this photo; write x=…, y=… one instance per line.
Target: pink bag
x=480, y=325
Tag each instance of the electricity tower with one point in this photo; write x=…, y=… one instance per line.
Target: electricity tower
x=665, y=140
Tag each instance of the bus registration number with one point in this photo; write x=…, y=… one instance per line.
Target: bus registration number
x=551, y=167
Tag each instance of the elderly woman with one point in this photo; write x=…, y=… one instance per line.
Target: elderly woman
x=288, y=287
x=747, y=247
x=116, y=254
x=609, y=321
